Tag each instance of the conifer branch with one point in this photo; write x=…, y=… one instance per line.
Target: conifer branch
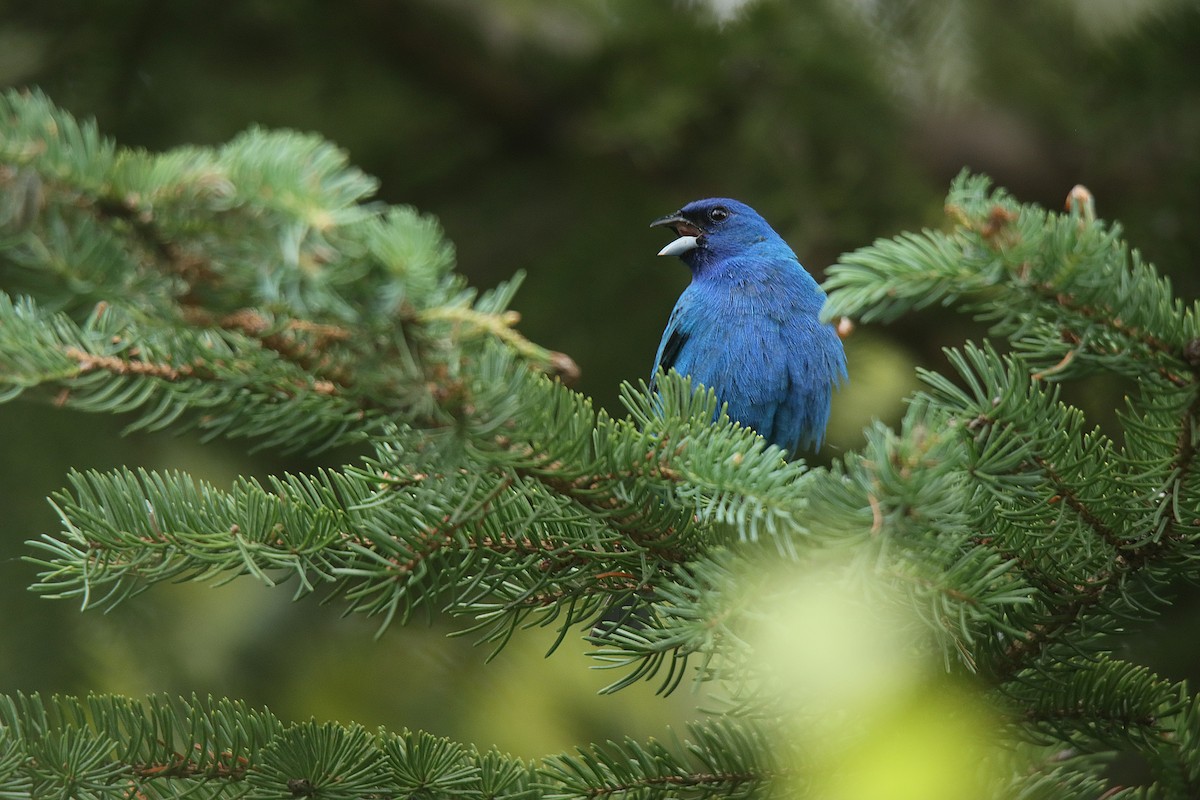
x=169, y=747
x=250, y=290
x=141, y=221
x=1001, y=261
x=501, y=327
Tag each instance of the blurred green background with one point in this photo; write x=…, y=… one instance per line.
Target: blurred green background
x=546, y=136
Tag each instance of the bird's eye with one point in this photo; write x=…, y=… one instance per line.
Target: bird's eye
x=719, y=214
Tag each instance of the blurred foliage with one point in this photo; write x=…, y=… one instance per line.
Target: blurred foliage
x=546, y=137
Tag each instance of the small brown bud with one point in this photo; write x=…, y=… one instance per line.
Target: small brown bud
x=1081, y=204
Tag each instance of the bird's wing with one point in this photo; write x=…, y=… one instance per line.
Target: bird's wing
x=817, y=365
x=768, y=358
x=673, y=340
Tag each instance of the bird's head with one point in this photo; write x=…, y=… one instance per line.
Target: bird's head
x=713, y=229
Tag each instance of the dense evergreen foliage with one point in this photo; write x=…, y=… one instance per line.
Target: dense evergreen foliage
x=252, y=291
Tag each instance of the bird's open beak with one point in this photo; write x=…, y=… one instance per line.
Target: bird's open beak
x=688, y=233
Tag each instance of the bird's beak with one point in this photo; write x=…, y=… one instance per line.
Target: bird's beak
x=688, y=233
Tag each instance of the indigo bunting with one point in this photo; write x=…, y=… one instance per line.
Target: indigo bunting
x=748, y=325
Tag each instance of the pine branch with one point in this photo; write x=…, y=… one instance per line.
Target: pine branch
x=109, y=747
x=724, y=761
x=252, y=290
x=236, y=287
x=1091, y=533
x=220, y=382
x=1107, y=704
x=1062, y=288
x=523, y=529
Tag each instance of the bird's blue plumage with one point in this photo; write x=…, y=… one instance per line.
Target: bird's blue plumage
x=748, y=325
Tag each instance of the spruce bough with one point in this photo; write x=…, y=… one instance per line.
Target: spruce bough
x=251, y=291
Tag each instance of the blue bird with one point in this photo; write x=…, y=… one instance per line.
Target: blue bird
x=748, y=325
